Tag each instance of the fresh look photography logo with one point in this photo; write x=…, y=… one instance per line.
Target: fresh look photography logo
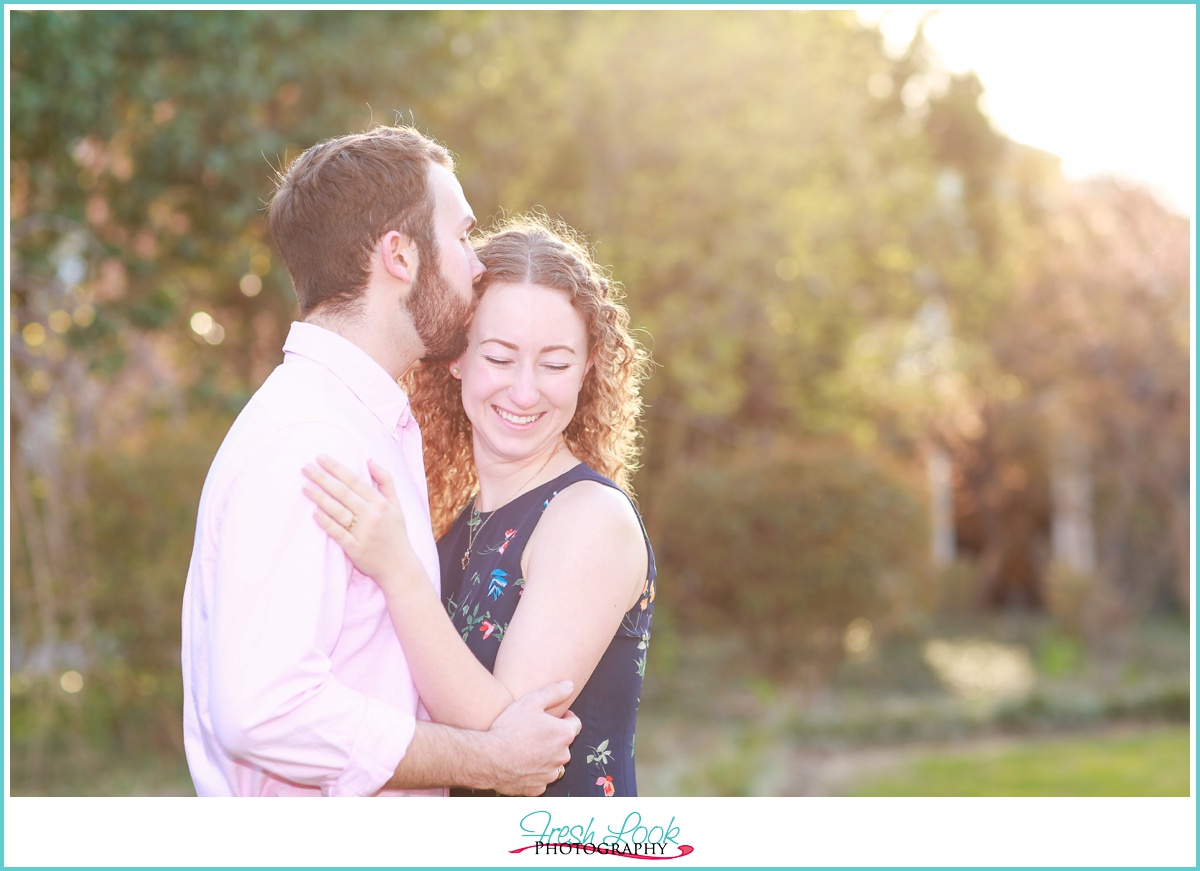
x=632, y=839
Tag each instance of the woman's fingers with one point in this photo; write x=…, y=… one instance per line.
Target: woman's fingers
x=329, y=483
x=331, y=494
x=338, y=513
x=333, y=529
x=383, y=481
x=345, y=476
x=368, y=525
x=346, y=488
x=359, y=509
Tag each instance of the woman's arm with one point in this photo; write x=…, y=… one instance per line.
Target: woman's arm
x=585, y=565
x=369, y=525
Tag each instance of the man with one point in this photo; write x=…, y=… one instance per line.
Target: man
x=294, y=680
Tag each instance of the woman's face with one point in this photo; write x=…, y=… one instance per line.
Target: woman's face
x=526, y=357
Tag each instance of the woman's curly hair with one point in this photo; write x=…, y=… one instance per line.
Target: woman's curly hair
x=533, y=249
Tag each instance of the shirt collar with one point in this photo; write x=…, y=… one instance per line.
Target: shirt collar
x=352, y=366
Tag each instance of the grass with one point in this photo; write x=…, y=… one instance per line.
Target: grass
x=1146, y=762
x=150, y=775
x=711, y=724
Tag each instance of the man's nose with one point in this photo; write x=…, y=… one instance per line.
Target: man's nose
x=476, y=266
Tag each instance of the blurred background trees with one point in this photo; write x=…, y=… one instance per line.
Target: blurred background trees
x=905, y=369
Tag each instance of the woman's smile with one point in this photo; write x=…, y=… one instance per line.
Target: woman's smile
x=521, y=374
x=520, y=420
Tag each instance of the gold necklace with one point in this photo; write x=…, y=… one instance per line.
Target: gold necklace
x=474, y=527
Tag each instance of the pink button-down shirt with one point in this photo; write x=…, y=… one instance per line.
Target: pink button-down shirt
x=294, y=681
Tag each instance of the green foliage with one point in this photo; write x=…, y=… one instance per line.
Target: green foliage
x=953, y=588
x=1059, y=655
x=717, y=725
x=782, y=219
x=142, y=523
x=735, y=768
x=154, y=163
x=787, y=548
x=1073, y=598
x=1151, y=763
x=84, y=743
x=754, y=235
x=143, y=529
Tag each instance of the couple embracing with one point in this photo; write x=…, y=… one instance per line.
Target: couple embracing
x=417, y=568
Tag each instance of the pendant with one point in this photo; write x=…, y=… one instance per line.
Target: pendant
x=466, y=558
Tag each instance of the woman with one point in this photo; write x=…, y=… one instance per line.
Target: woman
x=547, y=568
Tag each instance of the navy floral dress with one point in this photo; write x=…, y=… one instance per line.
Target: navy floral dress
x=482, y=605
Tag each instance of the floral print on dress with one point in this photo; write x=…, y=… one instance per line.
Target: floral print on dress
x=497, y=583
x=502, y=546
x=600, y=757
x=600, y=754
x=482, y=600
x=636, y=624
x=647, y=595
x=485, y=623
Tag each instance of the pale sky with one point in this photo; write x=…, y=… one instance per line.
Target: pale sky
x=1111, y=89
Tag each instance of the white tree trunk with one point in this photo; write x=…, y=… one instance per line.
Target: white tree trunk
x=941, y=503
x=1073, y=539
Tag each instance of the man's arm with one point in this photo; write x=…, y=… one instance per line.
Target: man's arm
x=519, y=755
x=279, y=588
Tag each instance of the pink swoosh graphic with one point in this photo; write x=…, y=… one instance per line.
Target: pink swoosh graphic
x=684, y=850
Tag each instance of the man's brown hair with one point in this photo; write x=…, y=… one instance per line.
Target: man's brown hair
x=338, y=198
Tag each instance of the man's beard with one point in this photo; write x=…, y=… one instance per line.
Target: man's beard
x=438, y=314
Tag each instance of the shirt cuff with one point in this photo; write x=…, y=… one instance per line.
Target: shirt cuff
x=381, y=743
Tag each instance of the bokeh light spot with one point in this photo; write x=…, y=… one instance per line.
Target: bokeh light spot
x=787, y=268
x=40, y=382
x=84, y=316
x=489, y=78
x=250, y=285
x=977, y=669
x=60, y=321
x=201, y=323
x=857, y=637
x=34, y=335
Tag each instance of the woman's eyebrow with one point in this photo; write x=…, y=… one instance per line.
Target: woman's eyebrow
x=545, y=350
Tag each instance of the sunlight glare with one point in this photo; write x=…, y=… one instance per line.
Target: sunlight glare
x=1111, y=90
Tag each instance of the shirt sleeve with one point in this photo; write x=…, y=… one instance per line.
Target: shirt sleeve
x=279, y=600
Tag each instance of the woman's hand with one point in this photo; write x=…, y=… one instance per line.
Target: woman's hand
x=366, y=521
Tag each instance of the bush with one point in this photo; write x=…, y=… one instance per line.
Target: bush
x=787, y=547
x=954, y=588
x=141, y=514
x=1089, y=609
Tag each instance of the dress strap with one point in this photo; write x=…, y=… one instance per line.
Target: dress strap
x=584, y=472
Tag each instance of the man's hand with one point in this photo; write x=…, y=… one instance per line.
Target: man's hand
x=519, y=755
x=531, y=744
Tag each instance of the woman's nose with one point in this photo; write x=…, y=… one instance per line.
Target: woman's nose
x=524, y=390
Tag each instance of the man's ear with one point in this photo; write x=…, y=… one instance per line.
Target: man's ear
x=398, y=255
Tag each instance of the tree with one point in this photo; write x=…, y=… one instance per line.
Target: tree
x=144, y=287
